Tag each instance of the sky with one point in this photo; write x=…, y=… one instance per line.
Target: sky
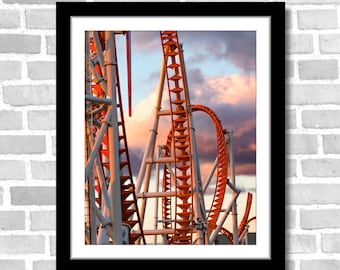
x=221, y=74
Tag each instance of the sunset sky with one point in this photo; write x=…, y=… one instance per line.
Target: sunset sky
x=221, y=73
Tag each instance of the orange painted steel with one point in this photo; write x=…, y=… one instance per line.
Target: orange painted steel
x=222, y=172
x=245, y=221
x=181, y=134
x=221, y=181
x=178, y=145
x=130, y=214
x=222, y=167
x=166, y=187
x=182, y=151
x=227, y=234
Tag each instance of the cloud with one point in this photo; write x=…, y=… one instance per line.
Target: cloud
x=139, y=126
x=231, y=97
x=245, y=169
x=228, y=89
x=238, y=47
x=244, y=152
x=146, y=41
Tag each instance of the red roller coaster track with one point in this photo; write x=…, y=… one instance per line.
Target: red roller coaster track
x=178, y=218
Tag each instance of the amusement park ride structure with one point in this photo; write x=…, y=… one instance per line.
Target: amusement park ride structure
x=115, y=205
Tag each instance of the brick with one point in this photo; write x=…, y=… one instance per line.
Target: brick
x=22, y=144
x=317, y=19
x=302, y=243
x=26, y=95
x=44, y=265
x=321, y=167
x=290, y=119
x=320, y=264
x=290, y=265
x=302, y=144
x=320, y=218
x=289, y=19
x=321, y=118
x=290, y=218
x=290, y=167
x=10, y=120
x=54, y=145
x=313, y=94
x=19, y=43
x=42, y=120
x=12, y=220
x=10, y=70
x=1, y=196
x=12, y=264
x=318, y=69
x=12, y=170
x=22, y=244
x=51, y=44
x=43, y=221
x=330, y=242
x=307, y=194
x=33, y=195
x=42, y=70
x=331, y=144
x=329, y=43
x=9, y=18
x=40, y=18
x=299, y=43
x=53, y=246
x=43, y=170
x=289, y=68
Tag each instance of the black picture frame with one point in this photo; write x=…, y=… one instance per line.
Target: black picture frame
x=276, y=12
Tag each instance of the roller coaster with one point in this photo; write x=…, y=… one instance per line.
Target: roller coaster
x=116, y=202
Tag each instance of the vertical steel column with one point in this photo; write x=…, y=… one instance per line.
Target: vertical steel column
x=113, y=139
x=87, y=199
x=145, y=168
x=148, y=153
x=222, y=218
x=156, y=198
x=99, y=52
x=198, y=201
x=97, y=144
x=88, y=137
x=232, y=176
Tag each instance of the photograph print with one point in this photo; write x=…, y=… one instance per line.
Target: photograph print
x=171, y=131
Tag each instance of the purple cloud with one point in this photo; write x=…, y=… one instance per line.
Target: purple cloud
x=237, y=47
x=234, y=46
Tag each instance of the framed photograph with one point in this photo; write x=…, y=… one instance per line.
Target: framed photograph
x=171, y=133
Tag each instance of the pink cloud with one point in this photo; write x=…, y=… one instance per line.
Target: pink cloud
x=229, y=89
x=233, y=100
x=245, y=169
x=139, y=125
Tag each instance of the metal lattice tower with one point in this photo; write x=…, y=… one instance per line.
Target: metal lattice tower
x=115, y=207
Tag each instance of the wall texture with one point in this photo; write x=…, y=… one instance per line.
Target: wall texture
x=28, y=134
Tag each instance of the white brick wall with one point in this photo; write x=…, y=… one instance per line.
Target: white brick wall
x=312, y=134
x=27, y=134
